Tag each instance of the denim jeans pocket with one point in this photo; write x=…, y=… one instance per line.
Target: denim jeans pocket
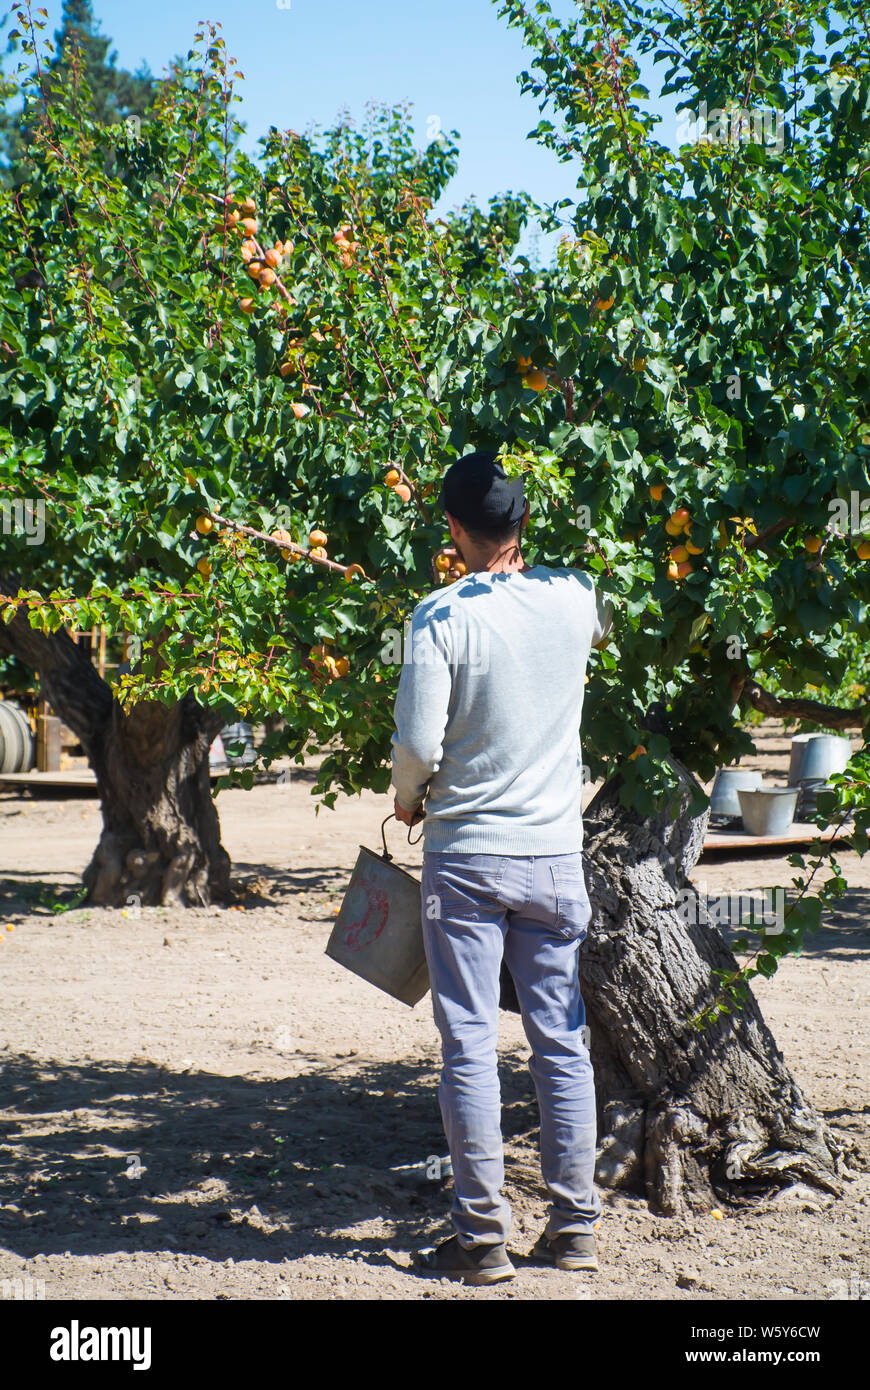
x=573, y=909
x=465, y=884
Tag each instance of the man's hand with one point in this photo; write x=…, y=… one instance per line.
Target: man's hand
x=405, y=816
x=452, y=554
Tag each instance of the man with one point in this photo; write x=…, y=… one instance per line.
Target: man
x=487, y=734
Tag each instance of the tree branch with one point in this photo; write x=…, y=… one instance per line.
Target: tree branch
x=68, y=679
x=829, y=715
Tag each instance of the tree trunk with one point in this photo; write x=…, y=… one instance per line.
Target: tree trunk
x=691, y=1119
x=161, y=836
x=160, y=842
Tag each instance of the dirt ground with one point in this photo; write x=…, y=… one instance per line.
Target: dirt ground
x=203, y=1105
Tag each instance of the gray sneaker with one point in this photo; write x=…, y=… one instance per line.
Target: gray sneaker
x=481, y=1264
x=569, y=1251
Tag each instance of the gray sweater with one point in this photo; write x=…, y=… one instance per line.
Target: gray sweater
x=488, y=710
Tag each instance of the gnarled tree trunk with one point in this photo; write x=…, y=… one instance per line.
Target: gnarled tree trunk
x=160, y=842
x=690, y=1118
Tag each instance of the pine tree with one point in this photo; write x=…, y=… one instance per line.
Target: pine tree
x=117, y=93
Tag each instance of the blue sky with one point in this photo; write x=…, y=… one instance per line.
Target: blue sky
x=453, y=60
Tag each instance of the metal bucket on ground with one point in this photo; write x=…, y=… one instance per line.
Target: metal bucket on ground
x=16, y=739
x=724, y=805
x=815, y=757
x=768, y=810
x=378, y=933
x=239, y=734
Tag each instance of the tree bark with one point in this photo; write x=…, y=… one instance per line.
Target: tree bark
x=160, y=842
x=691, y=1119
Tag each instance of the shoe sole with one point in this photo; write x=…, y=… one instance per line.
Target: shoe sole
x=570, y=1264
x=486, y=1276
x=475, y=1277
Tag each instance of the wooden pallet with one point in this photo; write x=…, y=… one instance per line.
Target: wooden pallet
x=72, y=777
x=736, y=841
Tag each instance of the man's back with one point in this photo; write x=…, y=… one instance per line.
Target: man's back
x=488, y=711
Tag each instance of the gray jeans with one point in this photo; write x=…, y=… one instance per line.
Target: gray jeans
x=534, y=912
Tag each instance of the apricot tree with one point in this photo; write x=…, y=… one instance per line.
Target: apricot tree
x=220, y=358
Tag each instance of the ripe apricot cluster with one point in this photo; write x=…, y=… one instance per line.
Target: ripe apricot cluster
x=448, y=567
x=262, y=267
x=333, y=668
x=394, y=478
x=534, y=379
x=347, y=247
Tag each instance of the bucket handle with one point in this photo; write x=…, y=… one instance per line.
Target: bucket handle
x=392, y=816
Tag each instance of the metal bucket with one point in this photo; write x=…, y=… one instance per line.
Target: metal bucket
x=724, y=805
x=239, y=734
x=814, y=757
x=16, y=739
x=378, y=933
x=769, y=810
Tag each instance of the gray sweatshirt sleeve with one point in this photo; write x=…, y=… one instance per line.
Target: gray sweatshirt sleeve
x=422, y=705
x=603, y=617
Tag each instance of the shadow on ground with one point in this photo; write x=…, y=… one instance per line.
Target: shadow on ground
x=102, y=1157
x=845, y=933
